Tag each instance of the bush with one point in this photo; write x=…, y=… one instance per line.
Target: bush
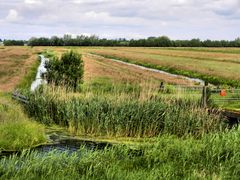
x=68, y=71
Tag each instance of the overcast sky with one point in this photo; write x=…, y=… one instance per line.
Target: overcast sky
x=178, y=19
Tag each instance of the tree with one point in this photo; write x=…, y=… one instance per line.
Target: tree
x=54, y=70
x=237, y=42
x=195, y=43
x=163, y=41
x=67, y=71
x=13, y=42
x=72, y=65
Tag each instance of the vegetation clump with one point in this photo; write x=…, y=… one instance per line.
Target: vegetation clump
x=67, y=71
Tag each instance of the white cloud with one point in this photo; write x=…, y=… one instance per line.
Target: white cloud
x=12, y=16
x=34, y=2
x=95, y=15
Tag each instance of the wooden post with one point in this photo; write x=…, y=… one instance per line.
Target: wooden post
x=205, y=95
x=161, y=87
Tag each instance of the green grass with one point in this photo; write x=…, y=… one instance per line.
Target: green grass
x=215, y=156
x=48, y=53
x=226, y=102
x=107, y=85
x=30, y=77
x=16, y=130
x=213, y=50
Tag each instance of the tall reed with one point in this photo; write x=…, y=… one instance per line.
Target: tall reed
x=122, y=114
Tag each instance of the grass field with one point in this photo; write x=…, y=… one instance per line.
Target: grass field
x=213, y=65
x=15, y=63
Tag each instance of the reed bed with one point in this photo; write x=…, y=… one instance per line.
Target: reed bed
x=122, y=114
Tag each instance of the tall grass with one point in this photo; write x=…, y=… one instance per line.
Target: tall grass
x=16, y=130
x=123, y=114
x=212, y=157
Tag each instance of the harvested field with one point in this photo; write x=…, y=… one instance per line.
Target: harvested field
x=211, y=63
x=103, y=67
x=15, y=62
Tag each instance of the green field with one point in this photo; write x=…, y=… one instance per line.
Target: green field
x=214, y=66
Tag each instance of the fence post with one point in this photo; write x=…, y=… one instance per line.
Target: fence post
x=205, y=95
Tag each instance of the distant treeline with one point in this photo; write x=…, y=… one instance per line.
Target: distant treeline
x=13, y=42
x=162, y=41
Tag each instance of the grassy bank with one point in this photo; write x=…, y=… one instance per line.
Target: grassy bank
x=212, y=157
x=27, y=80
x=16, y=130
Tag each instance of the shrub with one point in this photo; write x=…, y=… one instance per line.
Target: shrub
x=68, y=71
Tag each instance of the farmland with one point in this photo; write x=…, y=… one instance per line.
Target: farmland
x=212, y=65
x=15, y=63
x=155, y=134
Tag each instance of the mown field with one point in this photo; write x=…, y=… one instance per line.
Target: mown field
x=217, y=66
x=155, y=134
x=15, y=63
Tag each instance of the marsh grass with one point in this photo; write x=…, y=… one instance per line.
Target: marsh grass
x=121, y=114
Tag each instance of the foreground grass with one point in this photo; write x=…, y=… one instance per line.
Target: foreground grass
x=215, y=156
x=16, y=130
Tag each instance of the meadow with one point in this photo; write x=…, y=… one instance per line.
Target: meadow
x=155, y=133
x=213, y=65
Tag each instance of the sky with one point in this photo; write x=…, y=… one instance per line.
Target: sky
x=177, y=19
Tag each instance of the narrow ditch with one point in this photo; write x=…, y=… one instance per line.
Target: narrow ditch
x=41, y=70
x=194, y=80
